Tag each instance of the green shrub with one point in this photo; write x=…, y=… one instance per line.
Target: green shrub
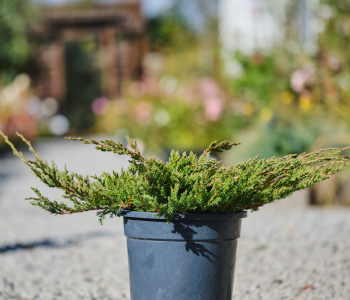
x=185, y=184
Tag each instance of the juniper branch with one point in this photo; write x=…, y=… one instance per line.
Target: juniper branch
x=185, y=184
x=224, y=145
x=110, y=146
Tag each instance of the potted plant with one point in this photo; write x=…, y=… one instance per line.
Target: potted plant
x=182, y=218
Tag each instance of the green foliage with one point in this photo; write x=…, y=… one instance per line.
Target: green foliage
x=280, y=137
x=185, y=184
x=15, y=16
x=261, y=79
x=186, y=125
x=169, y=31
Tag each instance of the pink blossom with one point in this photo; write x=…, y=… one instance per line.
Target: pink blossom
x=208, y=87
x=213, y=108
x=300, y=78
x=100, y=106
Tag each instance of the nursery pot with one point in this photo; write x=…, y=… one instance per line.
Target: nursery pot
x=191, y=258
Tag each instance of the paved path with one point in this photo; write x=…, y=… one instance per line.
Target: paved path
x=287, y=250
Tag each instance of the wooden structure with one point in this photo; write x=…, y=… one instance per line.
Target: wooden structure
x=119, y=30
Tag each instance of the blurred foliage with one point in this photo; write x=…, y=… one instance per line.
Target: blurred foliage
x=15, y=106
x=258, y=81
x=300, y=97
x=288, y=96
x=177, y=103
x=333, y=59
x=166, y=114
x=15, y=50
x=170, y=32
x=297, y=95
x=183, y=25
x=82, y=4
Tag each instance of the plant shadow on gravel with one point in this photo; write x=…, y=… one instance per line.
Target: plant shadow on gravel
x=54, y=244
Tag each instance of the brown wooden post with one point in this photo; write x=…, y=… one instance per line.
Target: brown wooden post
x=109, y=62
x=51, y=71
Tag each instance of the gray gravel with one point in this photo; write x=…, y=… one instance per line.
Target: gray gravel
x=287, y=250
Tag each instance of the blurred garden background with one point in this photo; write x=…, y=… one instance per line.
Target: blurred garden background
x=273, y=75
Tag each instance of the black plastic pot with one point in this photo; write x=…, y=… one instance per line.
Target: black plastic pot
x=191, y=258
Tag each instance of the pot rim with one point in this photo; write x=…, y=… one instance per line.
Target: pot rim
x=180, y=217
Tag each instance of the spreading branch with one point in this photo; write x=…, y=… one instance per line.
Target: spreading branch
x=185, y=184
x=221, y=147
x=110, y=146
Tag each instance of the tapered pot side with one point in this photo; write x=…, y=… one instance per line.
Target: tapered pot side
x=191, y=258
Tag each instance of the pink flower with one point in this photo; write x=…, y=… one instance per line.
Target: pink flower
x=208, y=87
x=213, y=108
x=100, y=106
x=300, y=78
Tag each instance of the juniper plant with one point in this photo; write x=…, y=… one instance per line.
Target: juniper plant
x=185, y=184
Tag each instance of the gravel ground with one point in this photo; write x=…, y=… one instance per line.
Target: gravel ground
x=287, y=250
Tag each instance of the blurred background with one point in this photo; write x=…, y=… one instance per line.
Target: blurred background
x=271, y=74
x=180, y=74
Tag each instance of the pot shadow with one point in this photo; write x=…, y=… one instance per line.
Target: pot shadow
x=197, y=248
x=46, y=243
x=4, y=176
x=52, y=243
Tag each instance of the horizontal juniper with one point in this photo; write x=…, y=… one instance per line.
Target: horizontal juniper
x=184, y=184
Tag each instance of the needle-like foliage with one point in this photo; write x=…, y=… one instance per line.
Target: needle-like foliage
x=185, y=184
